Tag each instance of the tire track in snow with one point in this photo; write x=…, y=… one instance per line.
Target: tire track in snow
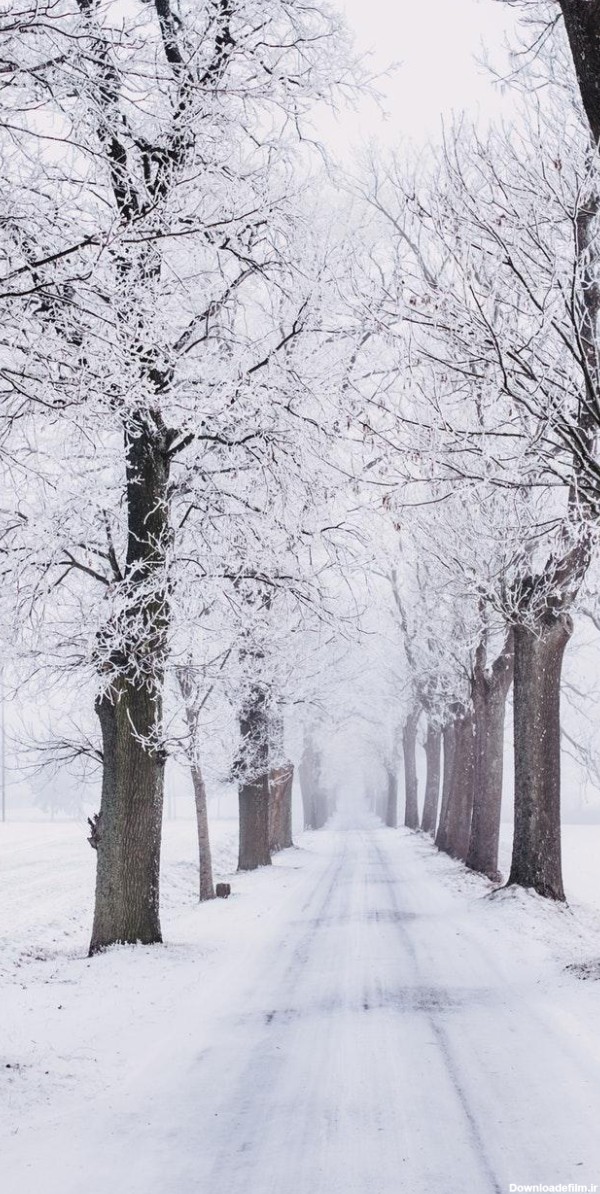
x=441, y=1036
x=351, y=1128
x=367, y=1042
x=523, y=1055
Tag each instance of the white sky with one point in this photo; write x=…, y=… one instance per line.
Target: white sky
x=435, y=44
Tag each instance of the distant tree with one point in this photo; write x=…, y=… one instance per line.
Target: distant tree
x=192, y=701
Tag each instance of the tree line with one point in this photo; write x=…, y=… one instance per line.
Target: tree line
x=246, y=397
x=493, y=300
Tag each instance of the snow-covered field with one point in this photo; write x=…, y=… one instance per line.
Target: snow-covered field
x=362, y=1018
x=47, y=874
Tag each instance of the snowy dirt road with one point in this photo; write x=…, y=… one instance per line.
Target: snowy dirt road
x=378, y=1030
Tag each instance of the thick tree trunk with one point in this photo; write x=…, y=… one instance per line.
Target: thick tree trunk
x=206, y=884
x=254, y=785
x=411, y=786
x=490, y=689
x=482, y=854
x=449, y=743
x=129, y=826
x=280, y=811
x=391, y=808
x=254, y=824
x=130, y=711
x=582, y=21
x=460, y=800
x=433, y=756
x=536, y=857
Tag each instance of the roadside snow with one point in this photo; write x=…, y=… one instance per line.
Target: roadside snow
x=47, y=874
x=581, y=861
x=362, y=1018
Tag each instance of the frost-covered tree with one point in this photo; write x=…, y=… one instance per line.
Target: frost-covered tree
x=506, y=320
x=151, y=296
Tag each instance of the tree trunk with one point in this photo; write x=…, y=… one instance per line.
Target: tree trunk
x=322, y=809
x=391, y=810
x=482, y=854
x=206, y=885
x=490, y=689
x=582, y=21
x=280, y=811
x=409, y=746
x=433, y=752
x=192, y=703
x=449, y=741
x=254, y=785
x=129, y=825
x=536, y=857
x=254, y=824
x=460, y=800
x=378, y=803
x=288, y=840
x=539, y=651
x=130, y=710
x=310, y=775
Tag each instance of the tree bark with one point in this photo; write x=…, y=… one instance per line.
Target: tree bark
x=206, y=884
x=129, y=825
x=254, y=824
x=280, y=811
x=449, y=743
x=130, y=710
x=582, y=22
x=536, y=856
x=411, y=786
x=460, y=799
x=490, y=690
x=391, y=809
x=254, y=784
x=433, y=753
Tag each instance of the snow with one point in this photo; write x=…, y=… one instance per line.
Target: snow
x=362, y=1018
x=47, y=873
x=580, y=850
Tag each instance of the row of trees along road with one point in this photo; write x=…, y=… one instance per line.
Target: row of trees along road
x=239, y=405
x=162, y=426
x=491, y=257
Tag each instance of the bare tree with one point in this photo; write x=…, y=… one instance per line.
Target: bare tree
x=144, y=320
x=504, y=344
x=193, y=700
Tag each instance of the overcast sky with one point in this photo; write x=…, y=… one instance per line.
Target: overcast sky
x=435, y=44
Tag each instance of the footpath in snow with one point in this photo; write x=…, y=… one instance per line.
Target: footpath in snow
x=362, y=1018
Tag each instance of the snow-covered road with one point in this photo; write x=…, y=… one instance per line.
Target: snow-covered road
x=376, y=1029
